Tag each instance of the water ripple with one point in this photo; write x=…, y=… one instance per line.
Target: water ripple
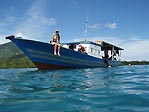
x=119, y=89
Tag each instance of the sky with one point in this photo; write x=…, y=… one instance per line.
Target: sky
x=124, y=23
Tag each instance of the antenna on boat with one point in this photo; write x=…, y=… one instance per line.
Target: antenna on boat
x=85, y=33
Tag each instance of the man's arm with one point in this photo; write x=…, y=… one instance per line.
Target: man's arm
x=59, y=39
x=52, y=37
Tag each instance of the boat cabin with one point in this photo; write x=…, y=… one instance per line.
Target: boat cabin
x=98, y=49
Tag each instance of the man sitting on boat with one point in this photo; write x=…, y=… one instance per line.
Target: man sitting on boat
x=82, y=49
x=56, y=42
x=106, y=55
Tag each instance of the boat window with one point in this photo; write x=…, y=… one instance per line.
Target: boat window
x=95, y=51
x=98, y=52
x=91, y=50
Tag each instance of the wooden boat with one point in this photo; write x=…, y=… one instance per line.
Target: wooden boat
x=41, y=54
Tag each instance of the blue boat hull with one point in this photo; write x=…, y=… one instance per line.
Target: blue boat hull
x=41, y=54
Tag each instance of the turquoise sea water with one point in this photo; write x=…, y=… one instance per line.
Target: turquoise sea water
x=117, y=89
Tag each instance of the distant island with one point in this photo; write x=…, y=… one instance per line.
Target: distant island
x=12, y=57
x=135, y=63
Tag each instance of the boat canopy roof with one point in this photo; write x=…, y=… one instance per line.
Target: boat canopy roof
x=82, y=42
x=104, y=45
x=108, y=46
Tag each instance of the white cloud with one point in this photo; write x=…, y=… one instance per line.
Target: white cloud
x=94, y=26
x=52, y=21
x=75, y=2
x=3, y=40
x=9, y=17
x=34, y=24
x=108, y=25
x=7, y=20
x=136, y=50
x=111, y=25
x=19, y=34
x=76, y=40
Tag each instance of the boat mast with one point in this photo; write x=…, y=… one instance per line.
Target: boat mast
x=85, y=33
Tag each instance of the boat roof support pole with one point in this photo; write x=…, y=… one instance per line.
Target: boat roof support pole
x=120, y=55
x=112, y=52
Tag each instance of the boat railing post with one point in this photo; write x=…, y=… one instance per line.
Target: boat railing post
x=120, y=55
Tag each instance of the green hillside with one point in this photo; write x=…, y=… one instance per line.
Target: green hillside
x=12, y=57
x=8, y=50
